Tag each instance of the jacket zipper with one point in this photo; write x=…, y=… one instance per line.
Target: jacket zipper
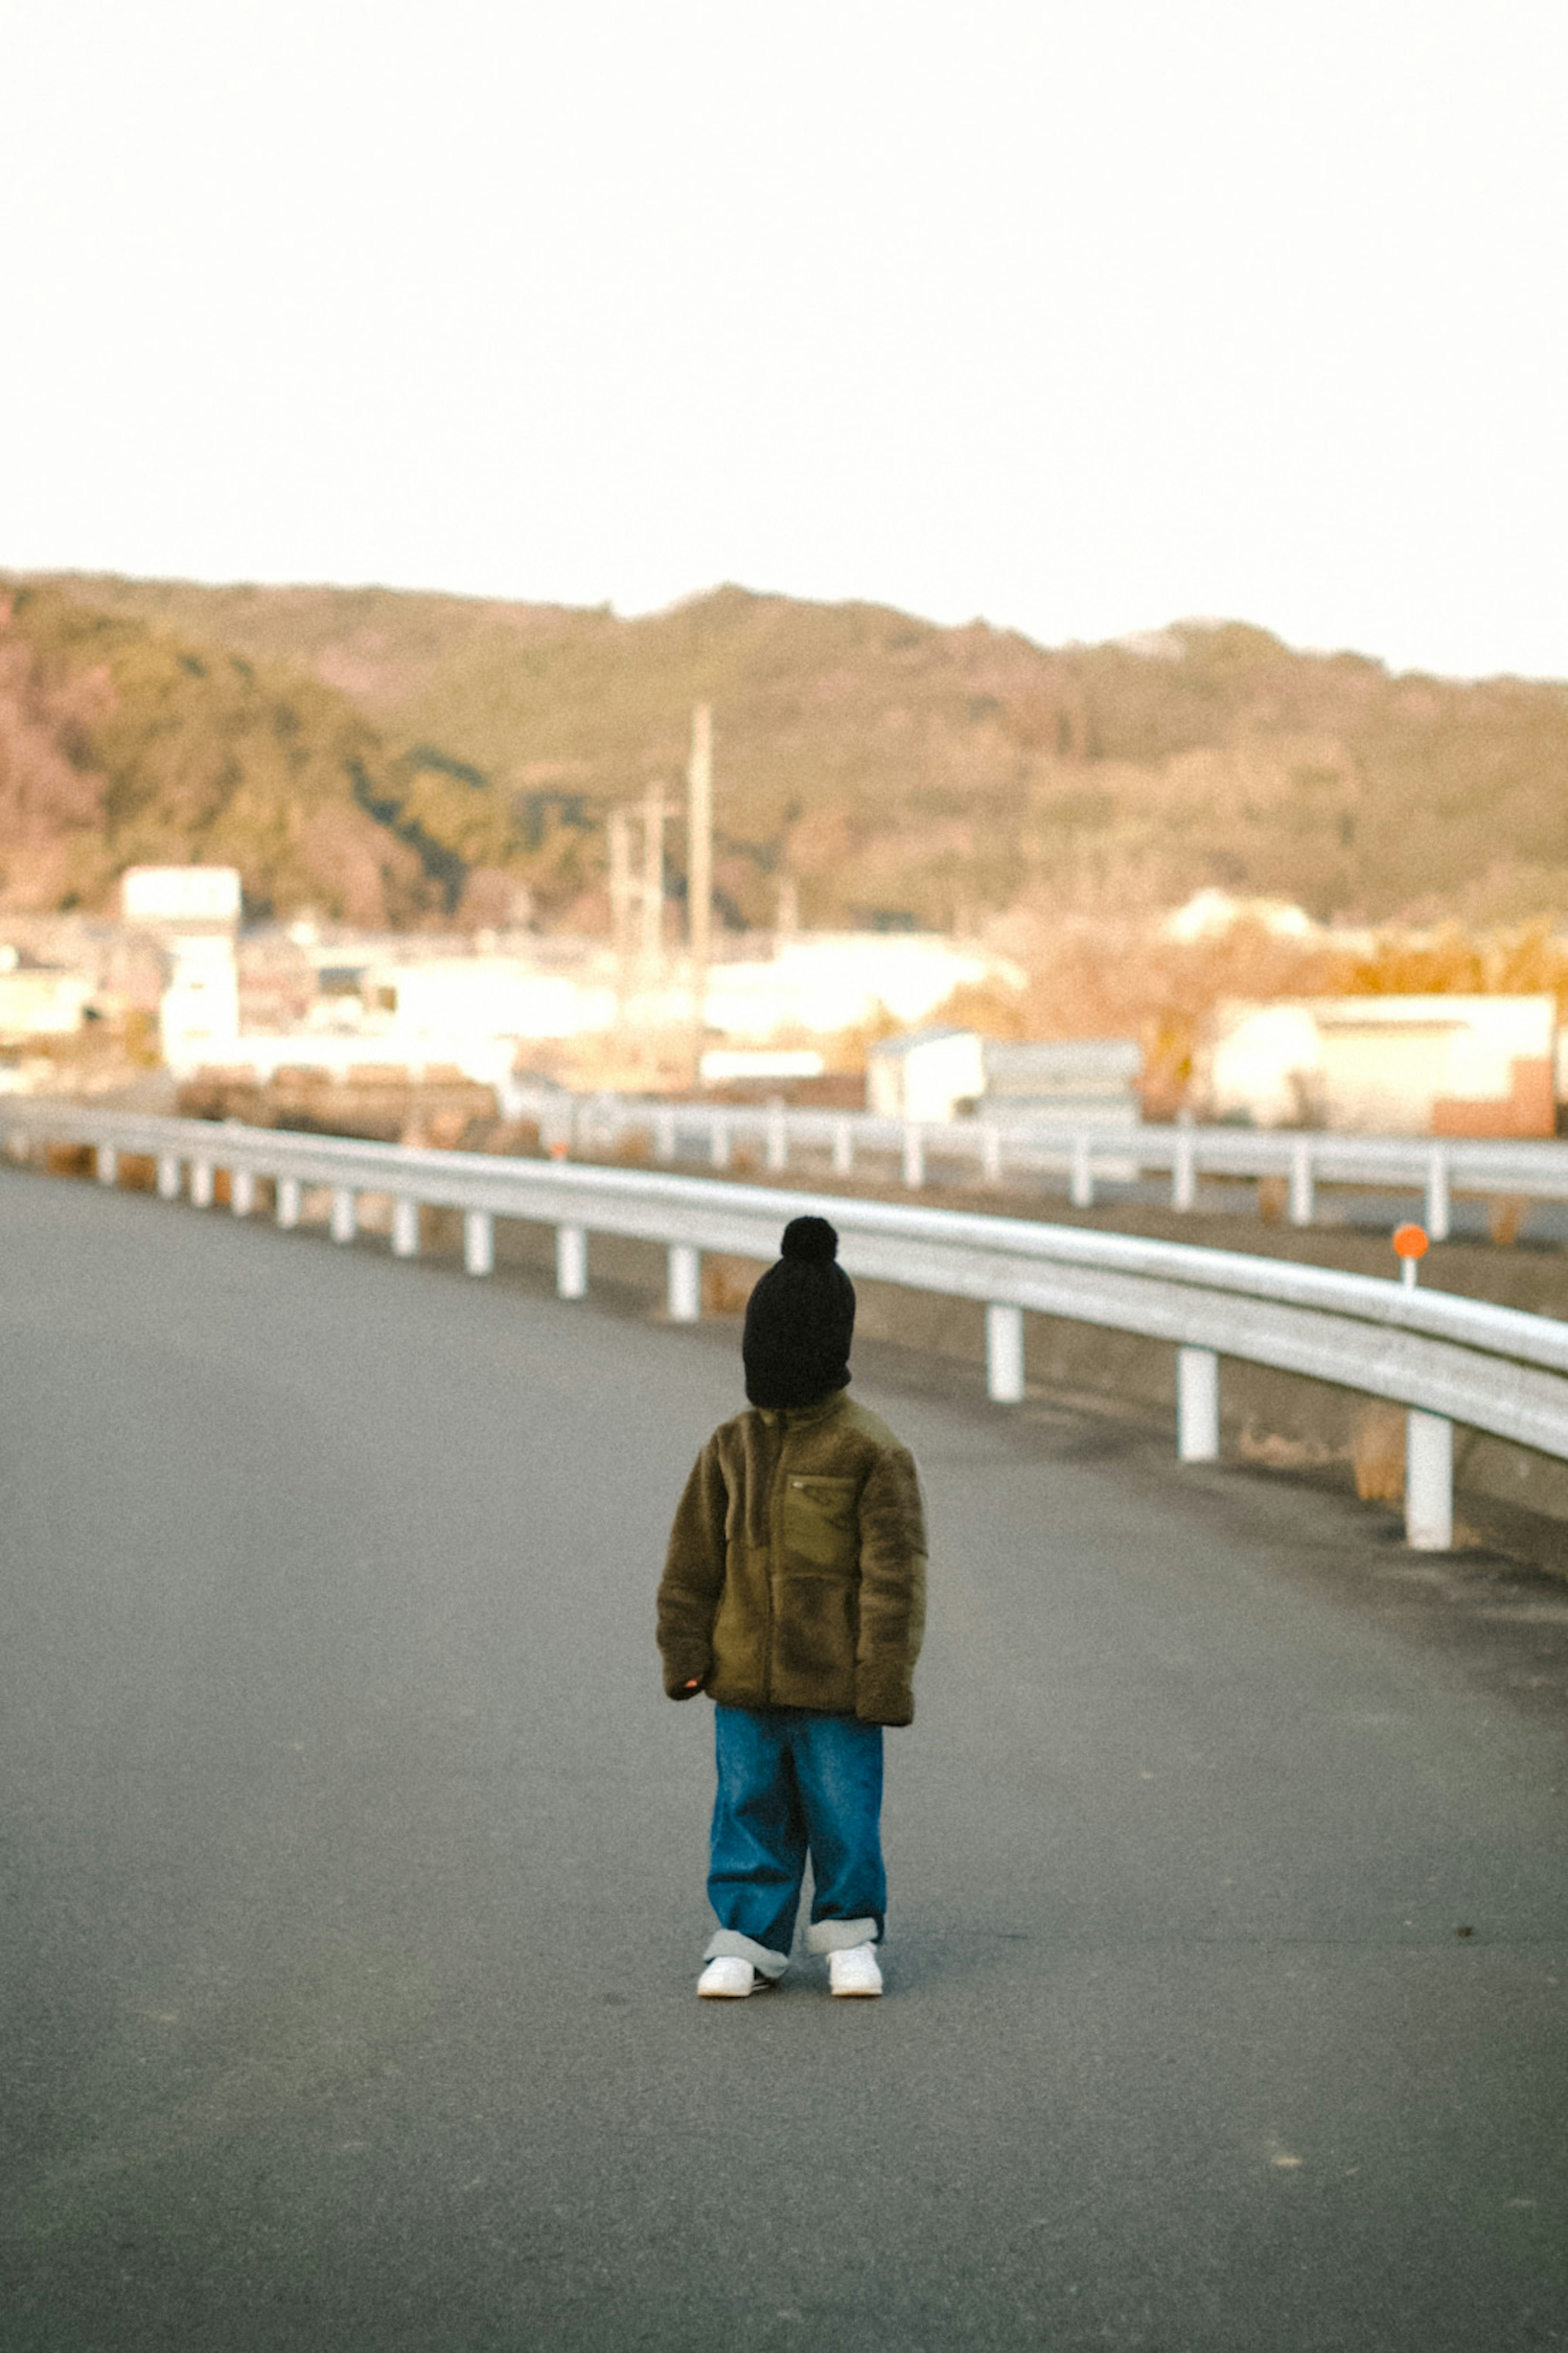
x=775, y=1546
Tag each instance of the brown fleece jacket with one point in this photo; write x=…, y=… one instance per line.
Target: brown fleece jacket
x=796, y=1574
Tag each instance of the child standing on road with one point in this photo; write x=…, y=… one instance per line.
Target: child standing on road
x=794, y=1595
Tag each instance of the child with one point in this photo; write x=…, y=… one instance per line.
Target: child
x=794, y=1595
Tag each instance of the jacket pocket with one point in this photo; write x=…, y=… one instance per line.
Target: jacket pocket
x=821, y=1525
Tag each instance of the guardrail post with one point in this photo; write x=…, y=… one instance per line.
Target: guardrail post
x=478, y=1242
x=1436, y=1220
x=1004, y=1353
x=1184, y=1171
x=1081, y=1189
x=242, y=1191
x=914, y=1155
x=991, y=1154
x=1428, y=1482
x=201, y=1183
x=107, y=1164
x=168, y=1176
x=405, y=1226
x=664, y=1135
x=686, y=1282
x=571, y=1261
x=843, y=1148
x=344, y=1215
x=1301, y=1184
x=718, y=1143
x=289, y=1202
x=777, y=1138
x=1197, y=1404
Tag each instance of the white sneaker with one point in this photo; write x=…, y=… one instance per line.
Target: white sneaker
x=855, y=1970
x=730, y=1978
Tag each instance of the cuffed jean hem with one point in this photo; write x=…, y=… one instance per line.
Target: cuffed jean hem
x=838, y=1936
x=726, y=1943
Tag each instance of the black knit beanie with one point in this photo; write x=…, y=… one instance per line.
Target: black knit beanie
x=799, y=1321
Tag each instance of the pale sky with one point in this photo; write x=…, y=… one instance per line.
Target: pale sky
x=1081, y=315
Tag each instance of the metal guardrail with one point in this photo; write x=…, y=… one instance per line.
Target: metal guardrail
x=989, y=1151
x=1445, y=1359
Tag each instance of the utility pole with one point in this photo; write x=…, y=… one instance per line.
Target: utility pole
x=621, y=889
x=653, y=815
x=700, y=859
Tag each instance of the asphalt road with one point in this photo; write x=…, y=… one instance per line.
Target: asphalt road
x=353, y=1869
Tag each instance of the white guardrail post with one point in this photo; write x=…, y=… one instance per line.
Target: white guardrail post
x=1301, y=1183
x=1438, y=1206
x=1184, y=1171
x=1446, y=1359
x=1197, y=1404
x=571, y=1261
x=685, y=1285
x=1004, y=1353
x=1429, y=1482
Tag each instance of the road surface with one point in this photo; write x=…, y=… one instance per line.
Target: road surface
x=353, y=1867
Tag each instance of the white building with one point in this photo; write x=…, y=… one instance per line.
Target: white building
x=431, y=1002
x=1210, y=915
x=924, y=1076
x=194, y=912
x=380, y=1004
x=198, y=1013
x=1077, y=1082
x=175, y=897
x=1386, y=1065
x=824, y=981
x=41, y=1000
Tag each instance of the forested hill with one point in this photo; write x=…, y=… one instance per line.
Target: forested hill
x=398, y=756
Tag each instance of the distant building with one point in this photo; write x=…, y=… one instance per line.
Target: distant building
x=198, y=1013
x=175, y=897
x=41, y=1000
x=924, y=1076
x=825, y=981
x=1210, y=915
x=193, y=912
x=1076, y=1081
x=415, y=1003
x=439, y=999
x=1480, y=1066
x=722, y=1065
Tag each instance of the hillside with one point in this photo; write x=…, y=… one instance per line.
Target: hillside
x=895, y=771
x=123, y=744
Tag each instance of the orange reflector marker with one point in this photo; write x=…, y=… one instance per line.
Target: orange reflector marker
x=1412, y=1242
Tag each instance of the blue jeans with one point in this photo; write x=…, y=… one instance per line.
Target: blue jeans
x=793, y=1781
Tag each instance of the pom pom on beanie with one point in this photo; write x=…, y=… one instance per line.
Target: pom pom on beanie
x=812, y=1239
